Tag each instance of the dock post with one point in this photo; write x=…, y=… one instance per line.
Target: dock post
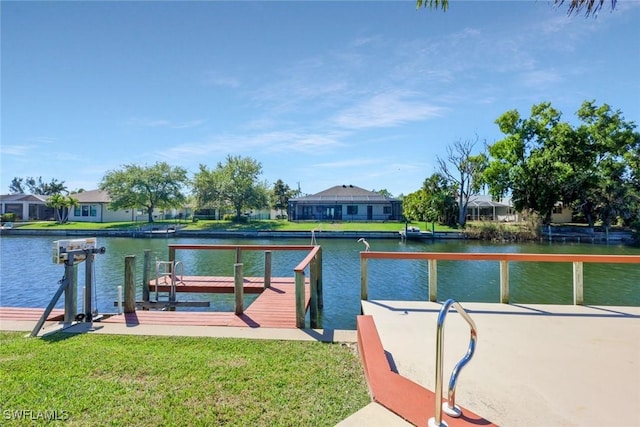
x=320, y=299
x=364, y=291
x=433, y=280
x=504, y=281
x=267, y=269
x=313, y=293
x=300, y=311
x=70, y=292
x=238, y=255
x=130, y=284
x=172, y=253
x=578, y=284
x=146, y=273
x=88, y=287
x=238, y=289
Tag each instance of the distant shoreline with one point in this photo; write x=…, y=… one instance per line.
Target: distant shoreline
x=559, y=235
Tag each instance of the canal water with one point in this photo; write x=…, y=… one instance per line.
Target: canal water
x=29, y=278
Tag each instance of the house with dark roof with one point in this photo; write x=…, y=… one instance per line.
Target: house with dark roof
x=26, y=206
x=345, y=203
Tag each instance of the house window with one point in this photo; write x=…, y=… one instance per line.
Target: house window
x=386, y=210
x=85, y=210
x=352, y=210
x=557, y=209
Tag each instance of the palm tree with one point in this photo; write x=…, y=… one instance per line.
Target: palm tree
x=61, y=205
x=589, y=7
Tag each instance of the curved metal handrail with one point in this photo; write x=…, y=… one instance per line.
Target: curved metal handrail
x=450, y=407
x=169, y=269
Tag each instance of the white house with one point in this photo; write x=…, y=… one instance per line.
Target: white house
x=484, y=208
x=93, y=206
x=26, y=206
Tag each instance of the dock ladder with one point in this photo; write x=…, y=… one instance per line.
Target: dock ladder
x=450, y=407
x=174, y=270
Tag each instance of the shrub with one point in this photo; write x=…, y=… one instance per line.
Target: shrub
x=8, y=217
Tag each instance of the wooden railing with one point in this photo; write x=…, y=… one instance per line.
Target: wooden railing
x=503, y=258
x=313, y=261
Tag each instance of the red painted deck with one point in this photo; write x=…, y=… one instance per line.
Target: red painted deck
x=29, y=314
x=216, y=284
x=275, y=307
x=400, y=395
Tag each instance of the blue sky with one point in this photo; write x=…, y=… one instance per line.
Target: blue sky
x=320, y=93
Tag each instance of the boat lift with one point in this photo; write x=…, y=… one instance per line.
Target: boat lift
x=70, y=253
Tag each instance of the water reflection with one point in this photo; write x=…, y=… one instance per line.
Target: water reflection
x=29, y=278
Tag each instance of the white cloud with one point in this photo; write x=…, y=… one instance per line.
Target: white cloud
x=157, y=123
x=347, y=163
x=540, y=78
x=284, y=141
x=214, y=79
x=16, y=150
x=387, y=109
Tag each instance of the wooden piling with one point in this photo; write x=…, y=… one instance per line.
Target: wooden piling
x=504, y=281
x=130, y=284
x=433, y=280
x=300, y=297
x=364, y=278
x=146, y=274
x=578, y=283
x=320, y=298
x=267, y=269
x=238, y=289
x=313, y=292
x=71, y=291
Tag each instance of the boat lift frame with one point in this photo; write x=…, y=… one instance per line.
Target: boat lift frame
x=68, y=285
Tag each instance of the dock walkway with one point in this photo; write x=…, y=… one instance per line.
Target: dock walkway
x=534, y=364
x=275, y=307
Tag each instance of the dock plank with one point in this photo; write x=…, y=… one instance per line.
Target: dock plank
x=274, y=307
x=216, y=284
x=29, y=314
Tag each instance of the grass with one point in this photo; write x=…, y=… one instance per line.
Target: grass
x=149, y=381
x=262, y=225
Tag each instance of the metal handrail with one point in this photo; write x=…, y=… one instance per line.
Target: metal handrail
x=172, y=273
x=450, y=406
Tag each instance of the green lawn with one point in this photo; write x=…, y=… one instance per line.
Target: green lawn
x=150, y=381
x=209, y=225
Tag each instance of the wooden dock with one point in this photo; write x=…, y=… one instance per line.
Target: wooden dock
x=282, y=302
x=275, y=307
x=216, y=284
x=29, y=314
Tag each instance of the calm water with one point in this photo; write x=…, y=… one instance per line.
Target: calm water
x=28, y=278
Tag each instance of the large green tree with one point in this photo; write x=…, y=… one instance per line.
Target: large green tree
x=159, y=186
x=543, y=160
x=433, y=202
x=234, y=183
x=280, y=195
x=531, y=162
x=605, y=169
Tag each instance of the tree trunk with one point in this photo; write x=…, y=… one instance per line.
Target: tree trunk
x=462, y=216
x=150, y=213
